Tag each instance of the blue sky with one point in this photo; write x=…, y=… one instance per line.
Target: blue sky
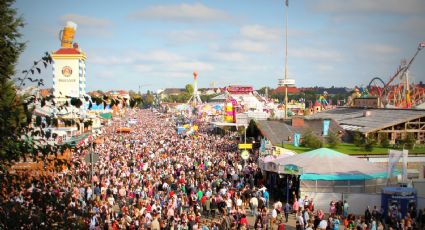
x=159, y=44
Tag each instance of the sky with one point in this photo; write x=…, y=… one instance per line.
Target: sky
x=158, y=44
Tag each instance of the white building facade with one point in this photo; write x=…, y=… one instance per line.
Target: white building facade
x=69, y=73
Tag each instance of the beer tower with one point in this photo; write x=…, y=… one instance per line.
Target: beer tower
x=69, y=66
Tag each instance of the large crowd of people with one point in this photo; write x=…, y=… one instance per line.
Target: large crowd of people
x=154, y=178
x=150, y=178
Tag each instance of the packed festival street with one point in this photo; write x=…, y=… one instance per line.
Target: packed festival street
x=149, y=178
x=154, y=178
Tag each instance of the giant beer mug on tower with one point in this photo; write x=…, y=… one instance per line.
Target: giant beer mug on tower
x=66, y=35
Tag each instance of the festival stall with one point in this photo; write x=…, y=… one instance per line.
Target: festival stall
x=123, y=130
x=325, y=171
x=267, y=163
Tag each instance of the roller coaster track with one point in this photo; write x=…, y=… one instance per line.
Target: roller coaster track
x=388, y=91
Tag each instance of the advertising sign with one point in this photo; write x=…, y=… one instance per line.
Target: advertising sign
x=292, y=169
x=245, y=146
x=245, y=155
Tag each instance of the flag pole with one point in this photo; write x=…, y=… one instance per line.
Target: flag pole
x=286, y=59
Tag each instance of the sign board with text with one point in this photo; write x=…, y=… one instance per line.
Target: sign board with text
x=245, y=146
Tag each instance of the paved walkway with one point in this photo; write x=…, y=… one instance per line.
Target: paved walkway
x=288, y=226
x=251, y=220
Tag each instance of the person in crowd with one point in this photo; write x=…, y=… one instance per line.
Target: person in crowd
x=287, y=210
x=346, y=208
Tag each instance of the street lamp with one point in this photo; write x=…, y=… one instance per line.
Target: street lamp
x=245, y=126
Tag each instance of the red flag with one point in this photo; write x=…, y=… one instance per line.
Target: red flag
x=422, y=44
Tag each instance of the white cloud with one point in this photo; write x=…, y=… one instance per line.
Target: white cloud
x=190, y=36
x=380, y=49
x=190, y=66
x=375, y=6
x=325, y=67
x=143, y=68
x=160, y=56
x=413, y=25
x=172, y=74
x=260, y=33
x=315, y=54
x=250, y=46
x=89, y=25
x=159, y=63
x=109, y=60
x=85, y=20
x=105, y=74
x=230, y=56
x=182, y=13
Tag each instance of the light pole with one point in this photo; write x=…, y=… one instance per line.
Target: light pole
x=287, y=188
x=92, y=157
x=91, y=165
x=286, y=59
x=245, y=134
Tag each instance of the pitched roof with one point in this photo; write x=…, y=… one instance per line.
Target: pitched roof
x=278, y=131
x=281, y=89
x=68, y=51
x=328, y=164
x=354, y=118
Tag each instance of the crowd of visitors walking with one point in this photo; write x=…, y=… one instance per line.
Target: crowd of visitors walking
x=154, y=178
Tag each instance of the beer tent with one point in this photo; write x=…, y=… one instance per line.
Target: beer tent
x=326, y=170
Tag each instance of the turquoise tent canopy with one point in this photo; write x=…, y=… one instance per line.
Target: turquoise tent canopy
x=106, y=115
x=328, y=164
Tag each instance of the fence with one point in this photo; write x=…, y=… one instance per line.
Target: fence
x=358, y=202
x=343, y=186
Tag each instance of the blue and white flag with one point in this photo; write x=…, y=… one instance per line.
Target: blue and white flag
x=326, y=124
x=263, y=145
x=297, y=138
x=394, y=157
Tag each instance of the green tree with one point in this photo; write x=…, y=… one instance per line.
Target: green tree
x=183, y=97
x=409, y=141
x=12, y=115
x=311, y=141
x=148, y=101
x=189, y=88
x=252, y=130
x=383, y=140
x=368, y=143
x=357, y=139
x=263, y=90
x=333, y=139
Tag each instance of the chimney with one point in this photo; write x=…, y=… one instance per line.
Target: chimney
x=297, y=121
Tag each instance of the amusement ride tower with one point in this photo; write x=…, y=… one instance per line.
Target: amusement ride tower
x=195, y=99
